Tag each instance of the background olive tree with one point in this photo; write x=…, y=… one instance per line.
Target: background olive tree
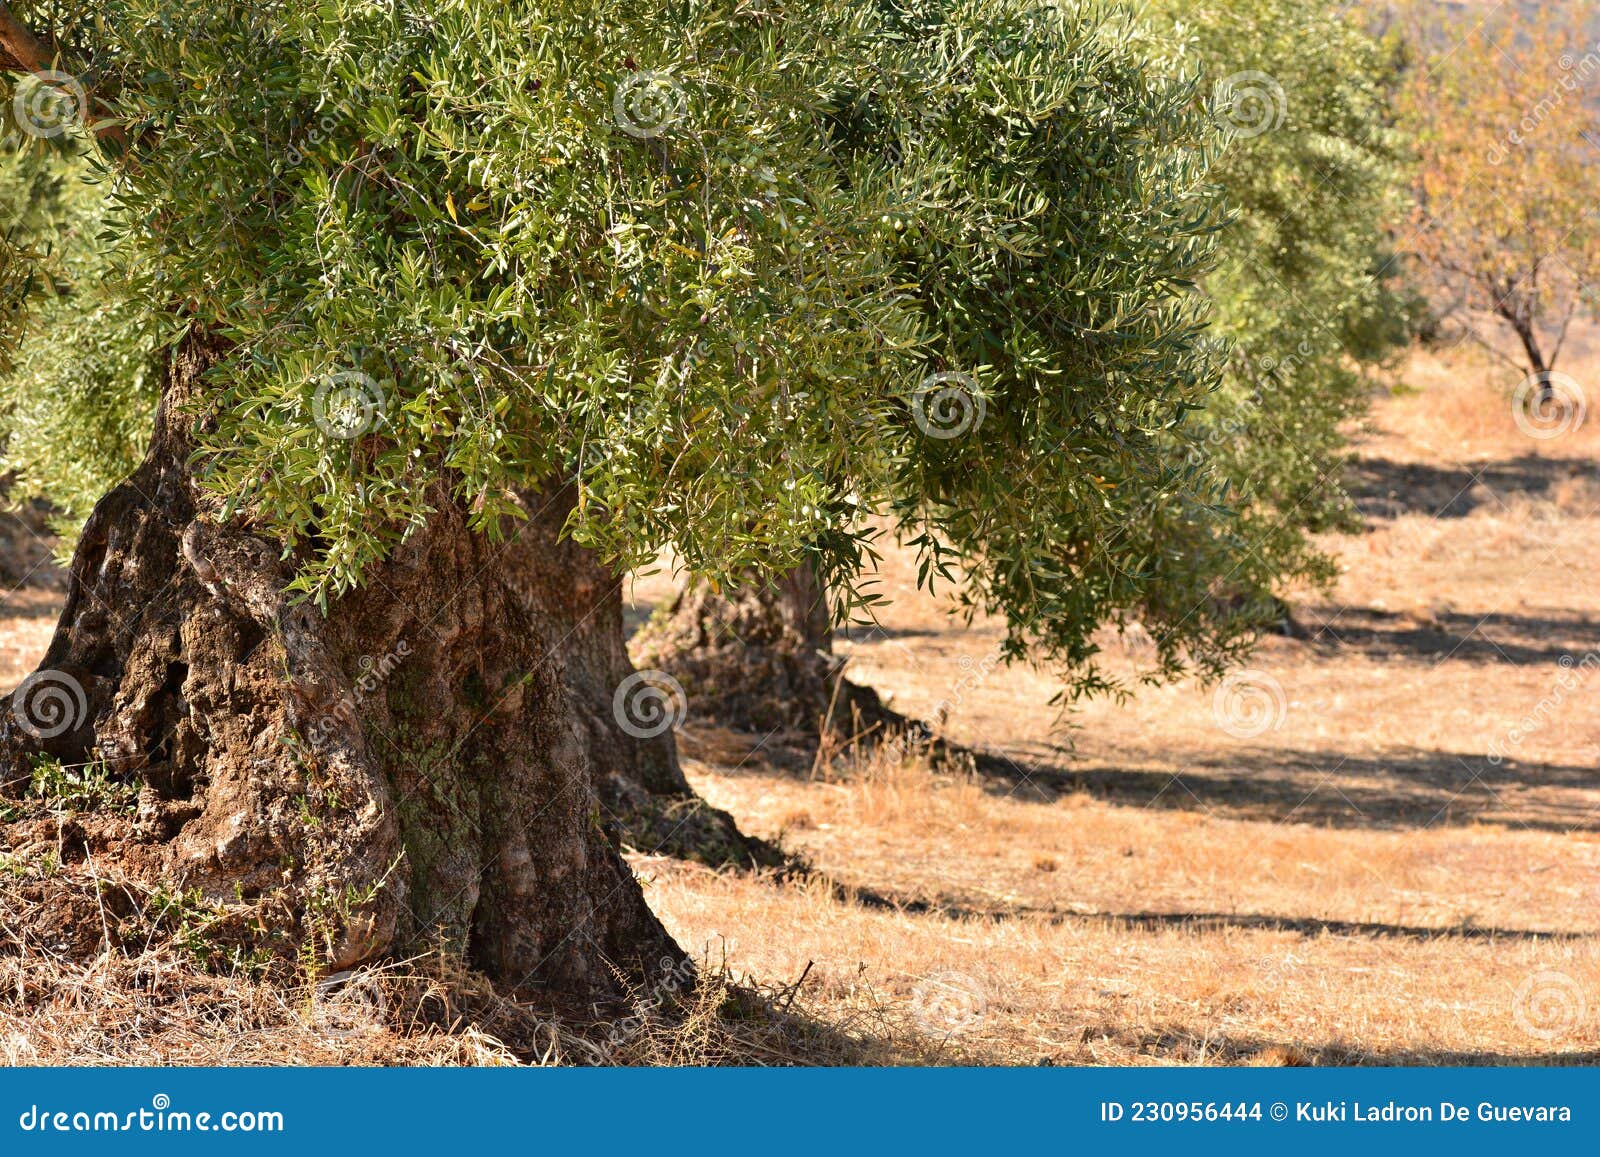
x=1209, y=535
x=1308, y=294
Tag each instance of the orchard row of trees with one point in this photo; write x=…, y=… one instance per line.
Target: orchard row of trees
x=362, y=346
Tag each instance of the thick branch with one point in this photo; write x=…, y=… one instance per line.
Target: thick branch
x=24, y=50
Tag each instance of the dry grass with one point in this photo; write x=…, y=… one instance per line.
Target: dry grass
x=1355, y=882
x=1156, y=935
x=1454, y=402
x=160, y=1005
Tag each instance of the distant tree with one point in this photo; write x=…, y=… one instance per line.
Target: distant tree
x=1504, y=108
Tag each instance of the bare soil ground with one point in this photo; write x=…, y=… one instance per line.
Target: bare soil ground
x=1380, y=844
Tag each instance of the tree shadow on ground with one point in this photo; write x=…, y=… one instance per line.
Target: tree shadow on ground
x=1397, y=790
x=1522, y=640
x=1306, y=926
x=1385, y=489
x=1405, y=789
x=879, y=632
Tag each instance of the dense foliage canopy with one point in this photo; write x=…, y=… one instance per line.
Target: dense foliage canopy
x=746, y=271
x=83, y=376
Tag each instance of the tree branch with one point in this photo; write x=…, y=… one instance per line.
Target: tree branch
x=25, y=50
x=1561, y=333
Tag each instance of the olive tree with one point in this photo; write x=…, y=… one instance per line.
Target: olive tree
x=463, y=306
x=1306, y=295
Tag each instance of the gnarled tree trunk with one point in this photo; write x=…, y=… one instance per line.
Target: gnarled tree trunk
x=407, y=770
x=760, y=658
x=628, y=718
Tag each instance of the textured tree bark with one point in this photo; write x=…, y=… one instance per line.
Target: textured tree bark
x=760, y=658
x=408, y=770
x=628, y=725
